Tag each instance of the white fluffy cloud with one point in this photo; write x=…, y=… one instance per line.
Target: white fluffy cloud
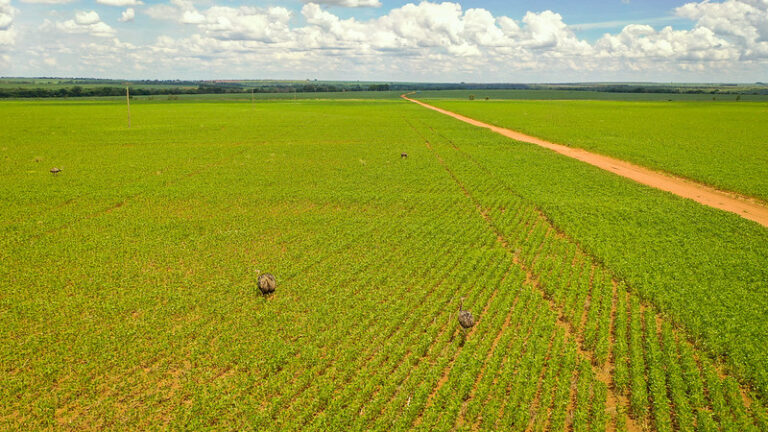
x=47, y=1
x=7, y=13
x=429, y=38
x=643, y=42
x=120, y=3
x=436, y=37
x=243, y=23
x=434, y=41
x=127, y=15
x=173, y=11
x=86, y=23
x=86, y=18
x=743, y=22
x=724, y=34
x=348, y=3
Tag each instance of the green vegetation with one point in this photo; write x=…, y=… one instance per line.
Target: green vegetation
x=128, y=294
x=587, y=93
x=84, y=87
x=702, y=266
x=719, y=144
x=90, y=87
x=277, y=96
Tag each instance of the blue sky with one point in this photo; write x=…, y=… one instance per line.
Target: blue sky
x=470, y=40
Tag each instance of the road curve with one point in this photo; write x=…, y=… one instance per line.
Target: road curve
x=703, y=194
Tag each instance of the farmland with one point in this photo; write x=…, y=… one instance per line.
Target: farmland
x=555, y=93
x=721, y=144
x=128, y=296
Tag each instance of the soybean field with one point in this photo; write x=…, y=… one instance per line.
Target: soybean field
x=129, y=301
x=721, y=144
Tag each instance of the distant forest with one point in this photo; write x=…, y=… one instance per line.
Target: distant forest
x=81, y=87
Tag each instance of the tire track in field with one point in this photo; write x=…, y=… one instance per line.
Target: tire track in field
x=573, y=331
x=594, y=263
x=570, y=330
x=604, y=372
x=723, y=200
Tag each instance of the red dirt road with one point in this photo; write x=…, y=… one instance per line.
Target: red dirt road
x=685, y=188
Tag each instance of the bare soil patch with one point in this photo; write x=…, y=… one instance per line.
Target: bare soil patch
x=703, y=194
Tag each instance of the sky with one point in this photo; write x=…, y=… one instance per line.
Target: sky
x=388, y=40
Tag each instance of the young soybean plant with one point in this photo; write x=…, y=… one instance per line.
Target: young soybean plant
x=638, y=383
x=584, y=394
x=684, y=415
x=621, y=346
x=656, y=375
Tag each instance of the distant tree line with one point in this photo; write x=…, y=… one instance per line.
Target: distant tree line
x=212, y=88
x=628, y=88
x=89, y=88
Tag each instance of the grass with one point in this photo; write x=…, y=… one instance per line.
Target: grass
x=128, y=292
x=718, y=144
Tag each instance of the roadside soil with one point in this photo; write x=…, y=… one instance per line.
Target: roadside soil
x=703, y=194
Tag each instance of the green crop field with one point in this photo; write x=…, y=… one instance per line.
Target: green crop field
x=128, y=295
x=725, y=145
x=586, y=94
x=278, y=96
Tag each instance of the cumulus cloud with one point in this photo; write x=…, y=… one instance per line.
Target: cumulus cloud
x=243, y=23
x=418, y=36
x=47, y=1
x=7, y=37
x=436, y=40
x=120, y=3
x=742, y=22
x=426, y=37
x=172, y=11
x=348, y=3
x=7, y=13
x=162, y=12
x=86, y=18
x=127, y=15
x=447, y=29
x=643, y=42
x=86, y=23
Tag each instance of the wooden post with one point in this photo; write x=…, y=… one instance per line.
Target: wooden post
x=251, y=96
x=128, y=104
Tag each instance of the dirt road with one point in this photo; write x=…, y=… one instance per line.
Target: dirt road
x=703, y=194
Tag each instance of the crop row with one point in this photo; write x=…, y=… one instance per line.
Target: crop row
x=147, y=317
x=548, y=399
x=622, y=336
x=703, y=267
